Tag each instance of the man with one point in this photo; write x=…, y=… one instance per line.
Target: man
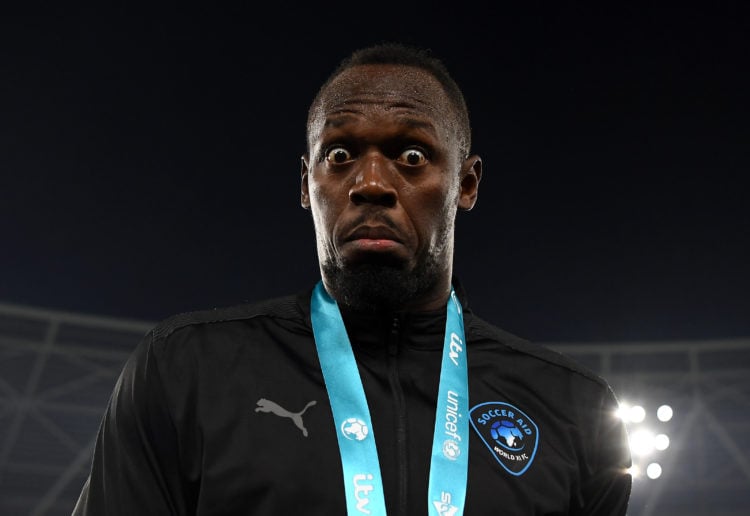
x=378, y=389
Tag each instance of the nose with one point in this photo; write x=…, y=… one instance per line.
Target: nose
x=373, y=182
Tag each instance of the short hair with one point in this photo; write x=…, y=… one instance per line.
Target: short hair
x=422, y=58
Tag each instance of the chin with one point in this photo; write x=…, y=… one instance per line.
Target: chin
x=381, y=286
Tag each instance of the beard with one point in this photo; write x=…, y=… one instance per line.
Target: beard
x=382, y=286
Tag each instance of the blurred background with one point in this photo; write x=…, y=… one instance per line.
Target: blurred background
x=149, y=165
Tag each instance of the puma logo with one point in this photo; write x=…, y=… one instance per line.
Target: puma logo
x=265, y=405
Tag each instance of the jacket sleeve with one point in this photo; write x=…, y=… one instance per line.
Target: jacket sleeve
x=135, y=467
x=606, y=482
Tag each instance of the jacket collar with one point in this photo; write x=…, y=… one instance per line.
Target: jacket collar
x=375, y=331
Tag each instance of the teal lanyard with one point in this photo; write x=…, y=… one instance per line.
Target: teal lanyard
x=359, y=458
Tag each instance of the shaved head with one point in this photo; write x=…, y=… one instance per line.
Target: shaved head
x=398, y=54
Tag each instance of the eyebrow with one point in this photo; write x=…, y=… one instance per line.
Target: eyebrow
x=419, y=124
x=337, y=121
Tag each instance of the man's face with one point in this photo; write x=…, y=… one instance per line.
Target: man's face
x=383, y=178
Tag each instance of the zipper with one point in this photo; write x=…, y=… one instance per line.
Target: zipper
x=400, y=406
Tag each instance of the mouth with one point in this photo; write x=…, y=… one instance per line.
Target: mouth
x=374, y=238
x=373, y=233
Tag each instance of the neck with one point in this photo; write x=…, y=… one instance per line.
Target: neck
x=435, y=300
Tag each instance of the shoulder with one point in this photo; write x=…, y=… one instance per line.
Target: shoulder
x=285, y=311
x=480, y=331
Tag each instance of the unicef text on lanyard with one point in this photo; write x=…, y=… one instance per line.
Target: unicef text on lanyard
x=359, y=457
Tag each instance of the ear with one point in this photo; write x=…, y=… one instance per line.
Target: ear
x=471, y=174
x=305, y=192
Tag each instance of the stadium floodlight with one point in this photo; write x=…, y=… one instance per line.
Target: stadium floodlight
x=631, y=413
x=645, y=442
x=664, y=413
x=653, y=470
x=642, y=442
x=623, y=411
x=637, y=414
x=661, y=442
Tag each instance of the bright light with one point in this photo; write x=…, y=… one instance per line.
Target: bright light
x=622, y=411
x=634, y=471
x=661, y=442
x=634, y=414
x=645, y=443
x=642, y=442
x=653, y=470
x=664, y=413
x=637, y=414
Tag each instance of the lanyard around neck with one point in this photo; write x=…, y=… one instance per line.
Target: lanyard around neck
x=363, y=483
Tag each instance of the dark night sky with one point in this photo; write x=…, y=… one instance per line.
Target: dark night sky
x=149, y=162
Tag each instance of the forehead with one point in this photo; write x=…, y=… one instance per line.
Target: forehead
x=383, y=88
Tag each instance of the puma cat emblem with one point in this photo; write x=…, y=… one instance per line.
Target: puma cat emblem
x=265, y=405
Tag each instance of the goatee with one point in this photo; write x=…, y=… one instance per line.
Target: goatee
x=379, y=287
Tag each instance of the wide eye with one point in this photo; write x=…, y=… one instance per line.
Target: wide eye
x=413, y=157
x=337, y=155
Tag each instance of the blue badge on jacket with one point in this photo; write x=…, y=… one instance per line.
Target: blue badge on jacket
x=511, y=436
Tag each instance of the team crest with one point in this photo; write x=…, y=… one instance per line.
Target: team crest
x=511, y=436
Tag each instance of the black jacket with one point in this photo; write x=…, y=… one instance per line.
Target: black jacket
x=225, y=412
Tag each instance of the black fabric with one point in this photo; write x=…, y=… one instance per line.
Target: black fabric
x=182, y=434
